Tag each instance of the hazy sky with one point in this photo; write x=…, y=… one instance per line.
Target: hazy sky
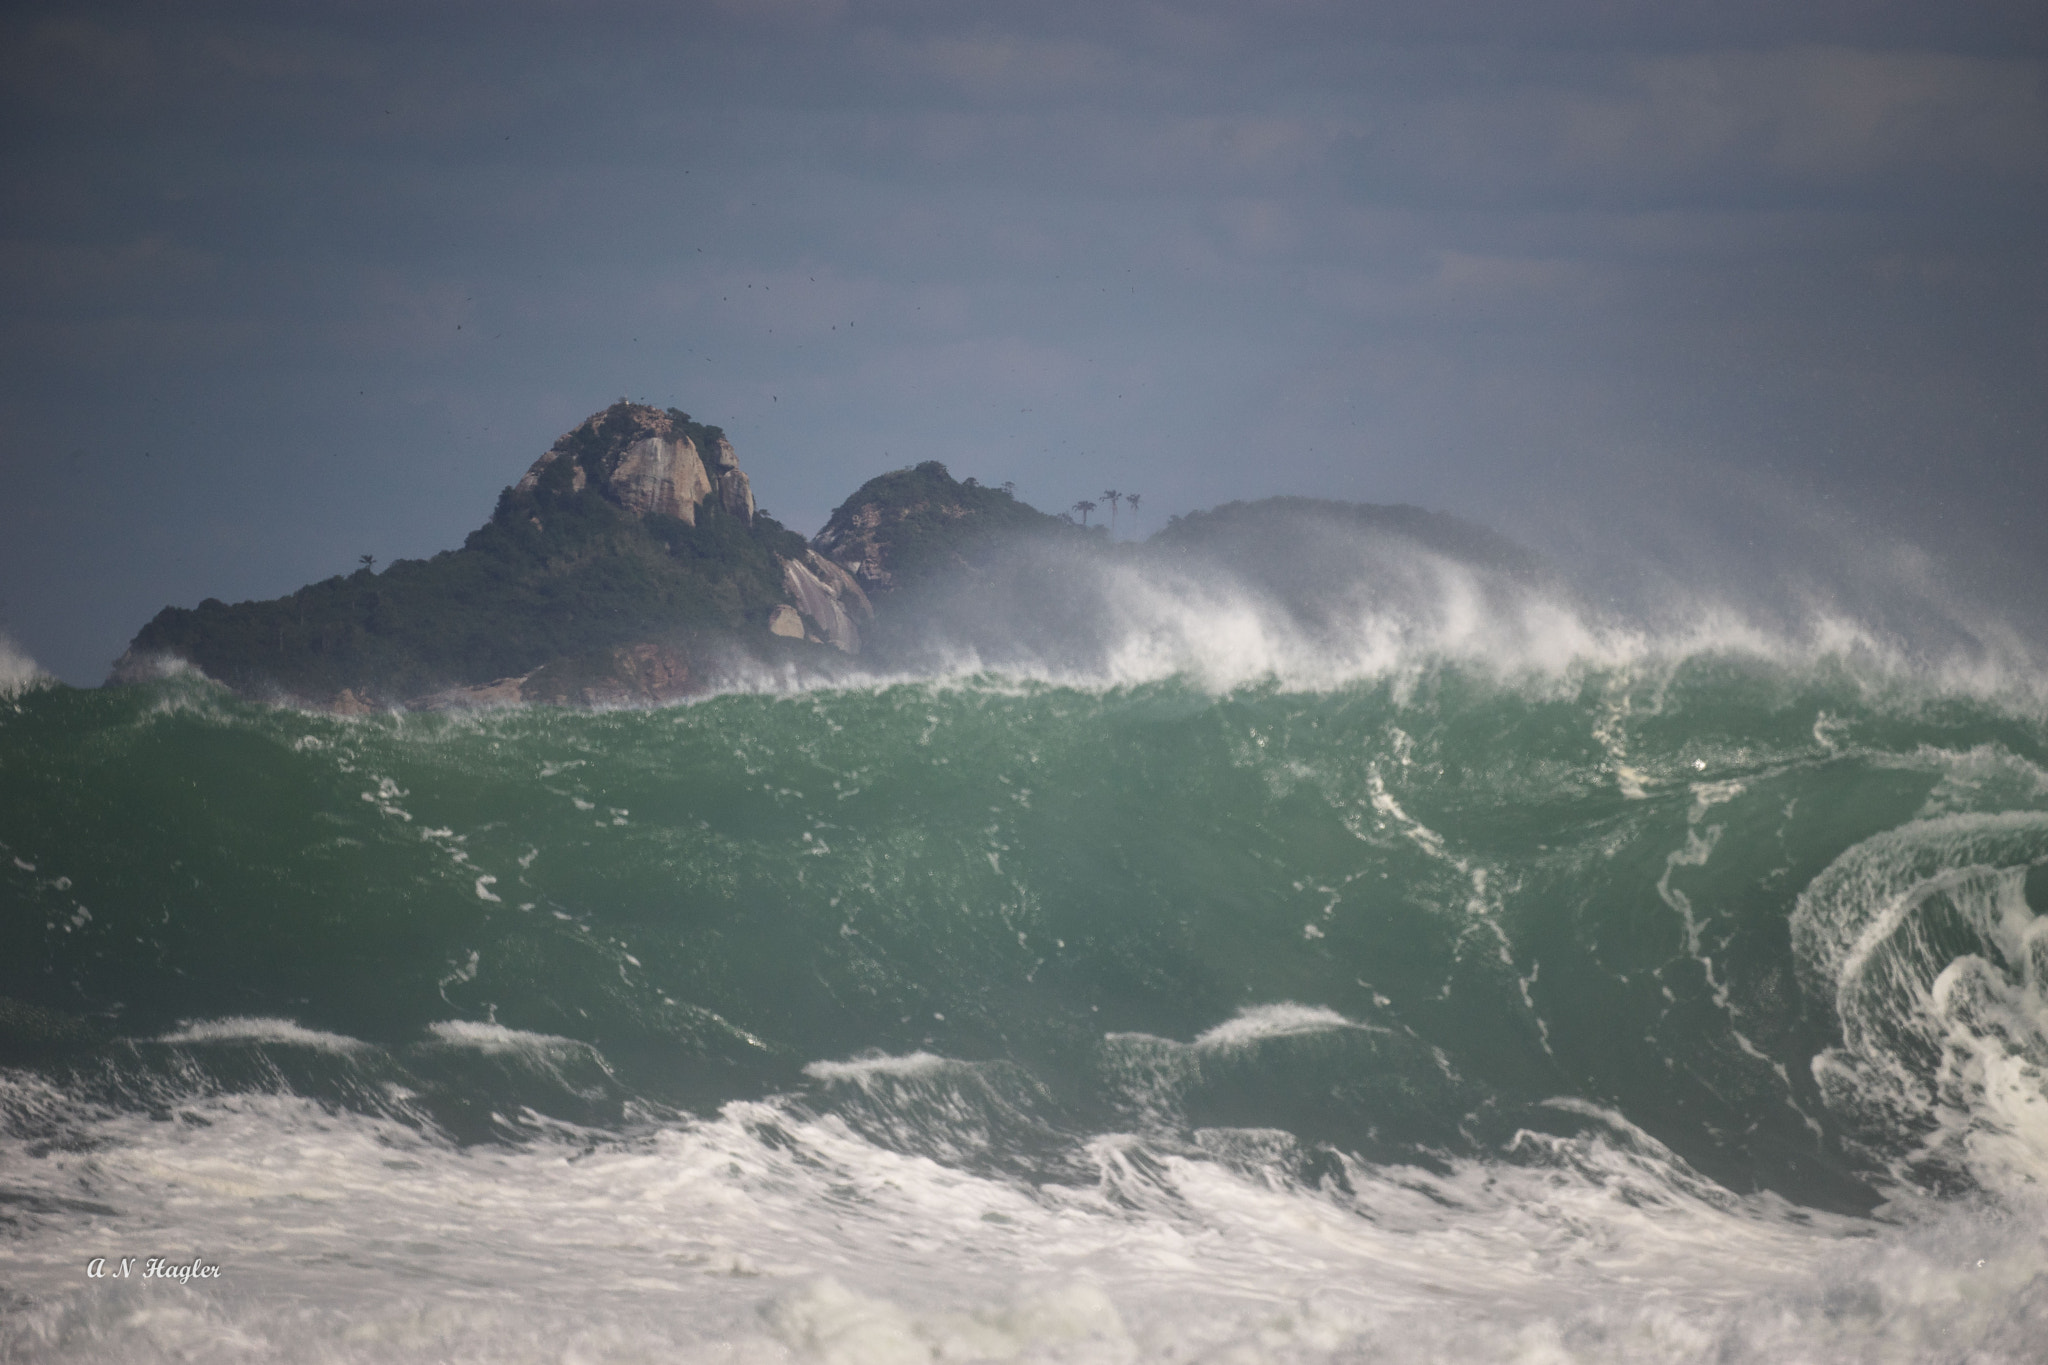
x=283, y=284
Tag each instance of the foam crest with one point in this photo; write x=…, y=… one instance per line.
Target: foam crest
x=1400, y=613
x=1283, y=1020
x=765, y=1235
x=273, y=1032
x=495, y=1040
x=860, y=1069
x=1228, y=635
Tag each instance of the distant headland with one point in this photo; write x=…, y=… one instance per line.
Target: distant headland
x=630, y=565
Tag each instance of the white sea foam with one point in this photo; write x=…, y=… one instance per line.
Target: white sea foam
x=1407, y=612
x=497, y=1040
x=1283, y=1020
x=242, y=1029
x=1943, y=1039
x=764, y=1235
x=858, y=1069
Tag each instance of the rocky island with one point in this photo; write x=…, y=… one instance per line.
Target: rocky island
x=630, y=565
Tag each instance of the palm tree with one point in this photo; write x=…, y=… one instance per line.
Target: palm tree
x=1112, y=495
x=1084, y=507
x=1132, y=499
x=368, y=561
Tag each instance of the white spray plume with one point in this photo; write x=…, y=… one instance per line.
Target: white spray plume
x=18, y=672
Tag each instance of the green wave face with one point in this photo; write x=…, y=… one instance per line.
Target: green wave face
x=1778, y=918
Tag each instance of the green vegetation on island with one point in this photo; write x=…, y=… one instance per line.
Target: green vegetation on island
x=560, y=577
x=629, y=564
x=913, y=527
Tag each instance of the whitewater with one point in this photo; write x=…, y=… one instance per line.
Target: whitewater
x=1487, y=983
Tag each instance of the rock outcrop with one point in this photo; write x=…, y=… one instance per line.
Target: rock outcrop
x=735, y=494
x=916, y=527
x=829, y=599
x=646, y=461
x=663, y=475
x=859, y=543
x=650, y=462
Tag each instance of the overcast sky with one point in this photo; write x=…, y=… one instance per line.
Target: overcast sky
x=284, y=284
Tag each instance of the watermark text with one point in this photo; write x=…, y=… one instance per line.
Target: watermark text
x=150, y=1268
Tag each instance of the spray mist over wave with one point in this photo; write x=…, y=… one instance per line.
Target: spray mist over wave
x=1312, y=606
x=18, y=672
x=1313, y=597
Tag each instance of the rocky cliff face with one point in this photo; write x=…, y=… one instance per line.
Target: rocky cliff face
x=660, y=474
x=829, y=599
x=646, y=461
x=856, y=541
x=650, y=462
x=734, y=492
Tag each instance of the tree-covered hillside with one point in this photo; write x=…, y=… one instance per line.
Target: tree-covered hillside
x=629, y=564
x=912, y=527
x=558, y=576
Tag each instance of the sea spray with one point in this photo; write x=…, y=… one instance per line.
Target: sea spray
x=18, y=672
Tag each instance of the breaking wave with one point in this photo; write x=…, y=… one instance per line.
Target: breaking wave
x=1256, y=982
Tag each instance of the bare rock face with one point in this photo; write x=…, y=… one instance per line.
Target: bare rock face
x=786, y=621
x=829, y=598
x=858, y=546
x=662, y=475
x=642, y=459
x=736, y=495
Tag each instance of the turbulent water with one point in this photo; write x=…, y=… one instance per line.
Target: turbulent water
x=1632, y=1003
